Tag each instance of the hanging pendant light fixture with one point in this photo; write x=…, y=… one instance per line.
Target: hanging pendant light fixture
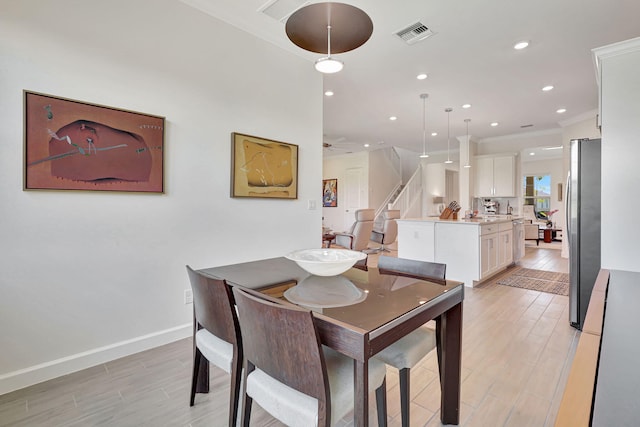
x=468, y=165
x=448, y=111
x=328, y=27
x=328, y=65
x=424, y=154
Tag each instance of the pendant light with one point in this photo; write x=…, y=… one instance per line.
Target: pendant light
x=424, y=97
x=329, y=27
x=468, y=165
x=448, y=111
x=327, y=64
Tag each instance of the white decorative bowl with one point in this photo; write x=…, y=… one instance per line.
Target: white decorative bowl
x=325, y=262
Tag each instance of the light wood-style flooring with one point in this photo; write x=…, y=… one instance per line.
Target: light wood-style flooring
x=517, y=350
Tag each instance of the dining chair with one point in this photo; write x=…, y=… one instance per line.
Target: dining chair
x=405, y=353
x=217, y=338
x=289, y=373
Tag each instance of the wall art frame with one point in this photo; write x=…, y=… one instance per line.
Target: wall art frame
x=329, y=193
x=263, y=168
x=76, y=145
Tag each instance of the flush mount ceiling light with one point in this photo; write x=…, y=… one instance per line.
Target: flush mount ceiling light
x=421, y=76
x=424, y=97
x=434, y=133
x=328, y=93
x=448, y=111
x=326, y=28
x=561, y=110
x=468, y=165
x=547, y=88
x=521, y=45
x=466, y=105
x=494, y=124
x=393, y=118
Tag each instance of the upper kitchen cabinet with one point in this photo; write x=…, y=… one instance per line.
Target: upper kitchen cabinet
x=495, y=176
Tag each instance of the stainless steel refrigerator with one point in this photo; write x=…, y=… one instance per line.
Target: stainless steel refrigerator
x=583, y=225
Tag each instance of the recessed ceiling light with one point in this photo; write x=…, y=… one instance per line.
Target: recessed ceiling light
x=421, y=76
x=532, y=154
x=392, y=118
x=521, y=45
x=561, y=110
x=547, y=88
x=466, y=105
x=329, y=93
x=494, y=124
x=434, y=133
x=366, y=145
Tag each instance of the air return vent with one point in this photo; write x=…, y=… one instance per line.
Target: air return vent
x=414, y=33
x=281, y=9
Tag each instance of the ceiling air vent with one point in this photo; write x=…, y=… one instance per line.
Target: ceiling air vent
x=414, y=33
x=281, y=9
x=526, y=126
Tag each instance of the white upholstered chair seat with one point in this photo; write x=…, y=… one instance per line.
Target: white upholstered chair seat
x=408, y=351
x=296, y=409
x=217, y=351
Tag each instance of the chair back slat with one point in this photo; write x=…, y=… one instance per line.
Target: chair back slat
x=424, y=270
x=283, y=342
x=213, y=307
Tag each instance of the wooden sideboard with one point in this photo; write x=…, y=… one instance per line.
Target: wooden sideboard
x=577, y=400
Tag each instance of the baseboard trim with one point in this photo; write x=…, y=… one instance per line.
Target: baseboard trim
x=46, y=371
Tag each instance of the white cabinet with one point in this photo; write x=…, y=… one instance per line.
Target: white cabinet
x=496, y=248
x=495, y=176
x=488, y=255
x=472, y=251
x=505, y=247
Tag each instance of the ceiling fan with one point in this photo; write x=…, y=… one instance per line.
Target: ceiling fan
x=338, y=144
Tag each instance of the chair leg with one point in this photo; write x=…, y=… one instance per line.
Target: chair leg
x=246, y=399
x=234, y=396
x=381, y=403
x=405, y=395
x=200, y=376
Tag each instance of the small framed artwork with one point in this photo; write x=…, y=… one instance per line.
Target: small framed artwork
x=559, y=191
x=329, y=193
x=74, y=145
x=263, y=168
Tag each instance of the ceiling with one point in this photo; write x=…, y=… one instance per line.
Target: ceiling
x=469, y=59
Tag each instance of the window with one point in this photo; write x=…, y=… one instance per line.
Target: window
x=537, y=192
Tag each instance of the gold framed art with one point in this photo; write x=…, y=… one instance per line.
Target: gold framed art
x=263, y=168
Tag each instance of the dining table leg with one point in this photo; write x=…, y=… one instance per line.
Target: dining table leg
x=449, y=351
x=360, y=393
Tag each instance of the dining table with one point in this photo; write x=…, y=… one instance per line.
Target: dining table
x=364, y=312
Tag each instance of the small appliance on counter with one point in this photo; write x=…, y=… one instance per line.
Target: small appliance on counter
x=490, y=207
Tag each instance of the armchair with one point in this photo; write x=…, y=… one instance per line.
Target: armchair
x=357, y=238
x=531, y=231
x=389, y=232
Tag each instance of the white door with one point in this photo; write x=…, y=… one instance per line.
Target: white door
x=354, y=195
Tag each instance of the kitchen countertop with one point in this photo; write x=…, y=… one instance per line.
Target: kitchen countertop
x=473, y=221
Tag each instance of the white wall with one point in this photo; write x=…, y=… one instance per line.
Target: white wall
x=383, y=178
x=335, y=167
x=90, y=276
x=620, y=106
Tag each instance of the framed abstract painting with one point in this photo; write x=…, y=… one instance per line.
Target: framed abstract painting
x=74, y=145
x=263, y=168
x=329, y=193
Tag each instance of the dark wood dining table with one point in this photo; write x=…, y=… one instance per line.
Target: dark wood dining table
x=394, y=306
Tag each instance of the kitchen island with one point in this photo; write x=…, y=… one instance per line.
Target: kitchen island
x=473, y=249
